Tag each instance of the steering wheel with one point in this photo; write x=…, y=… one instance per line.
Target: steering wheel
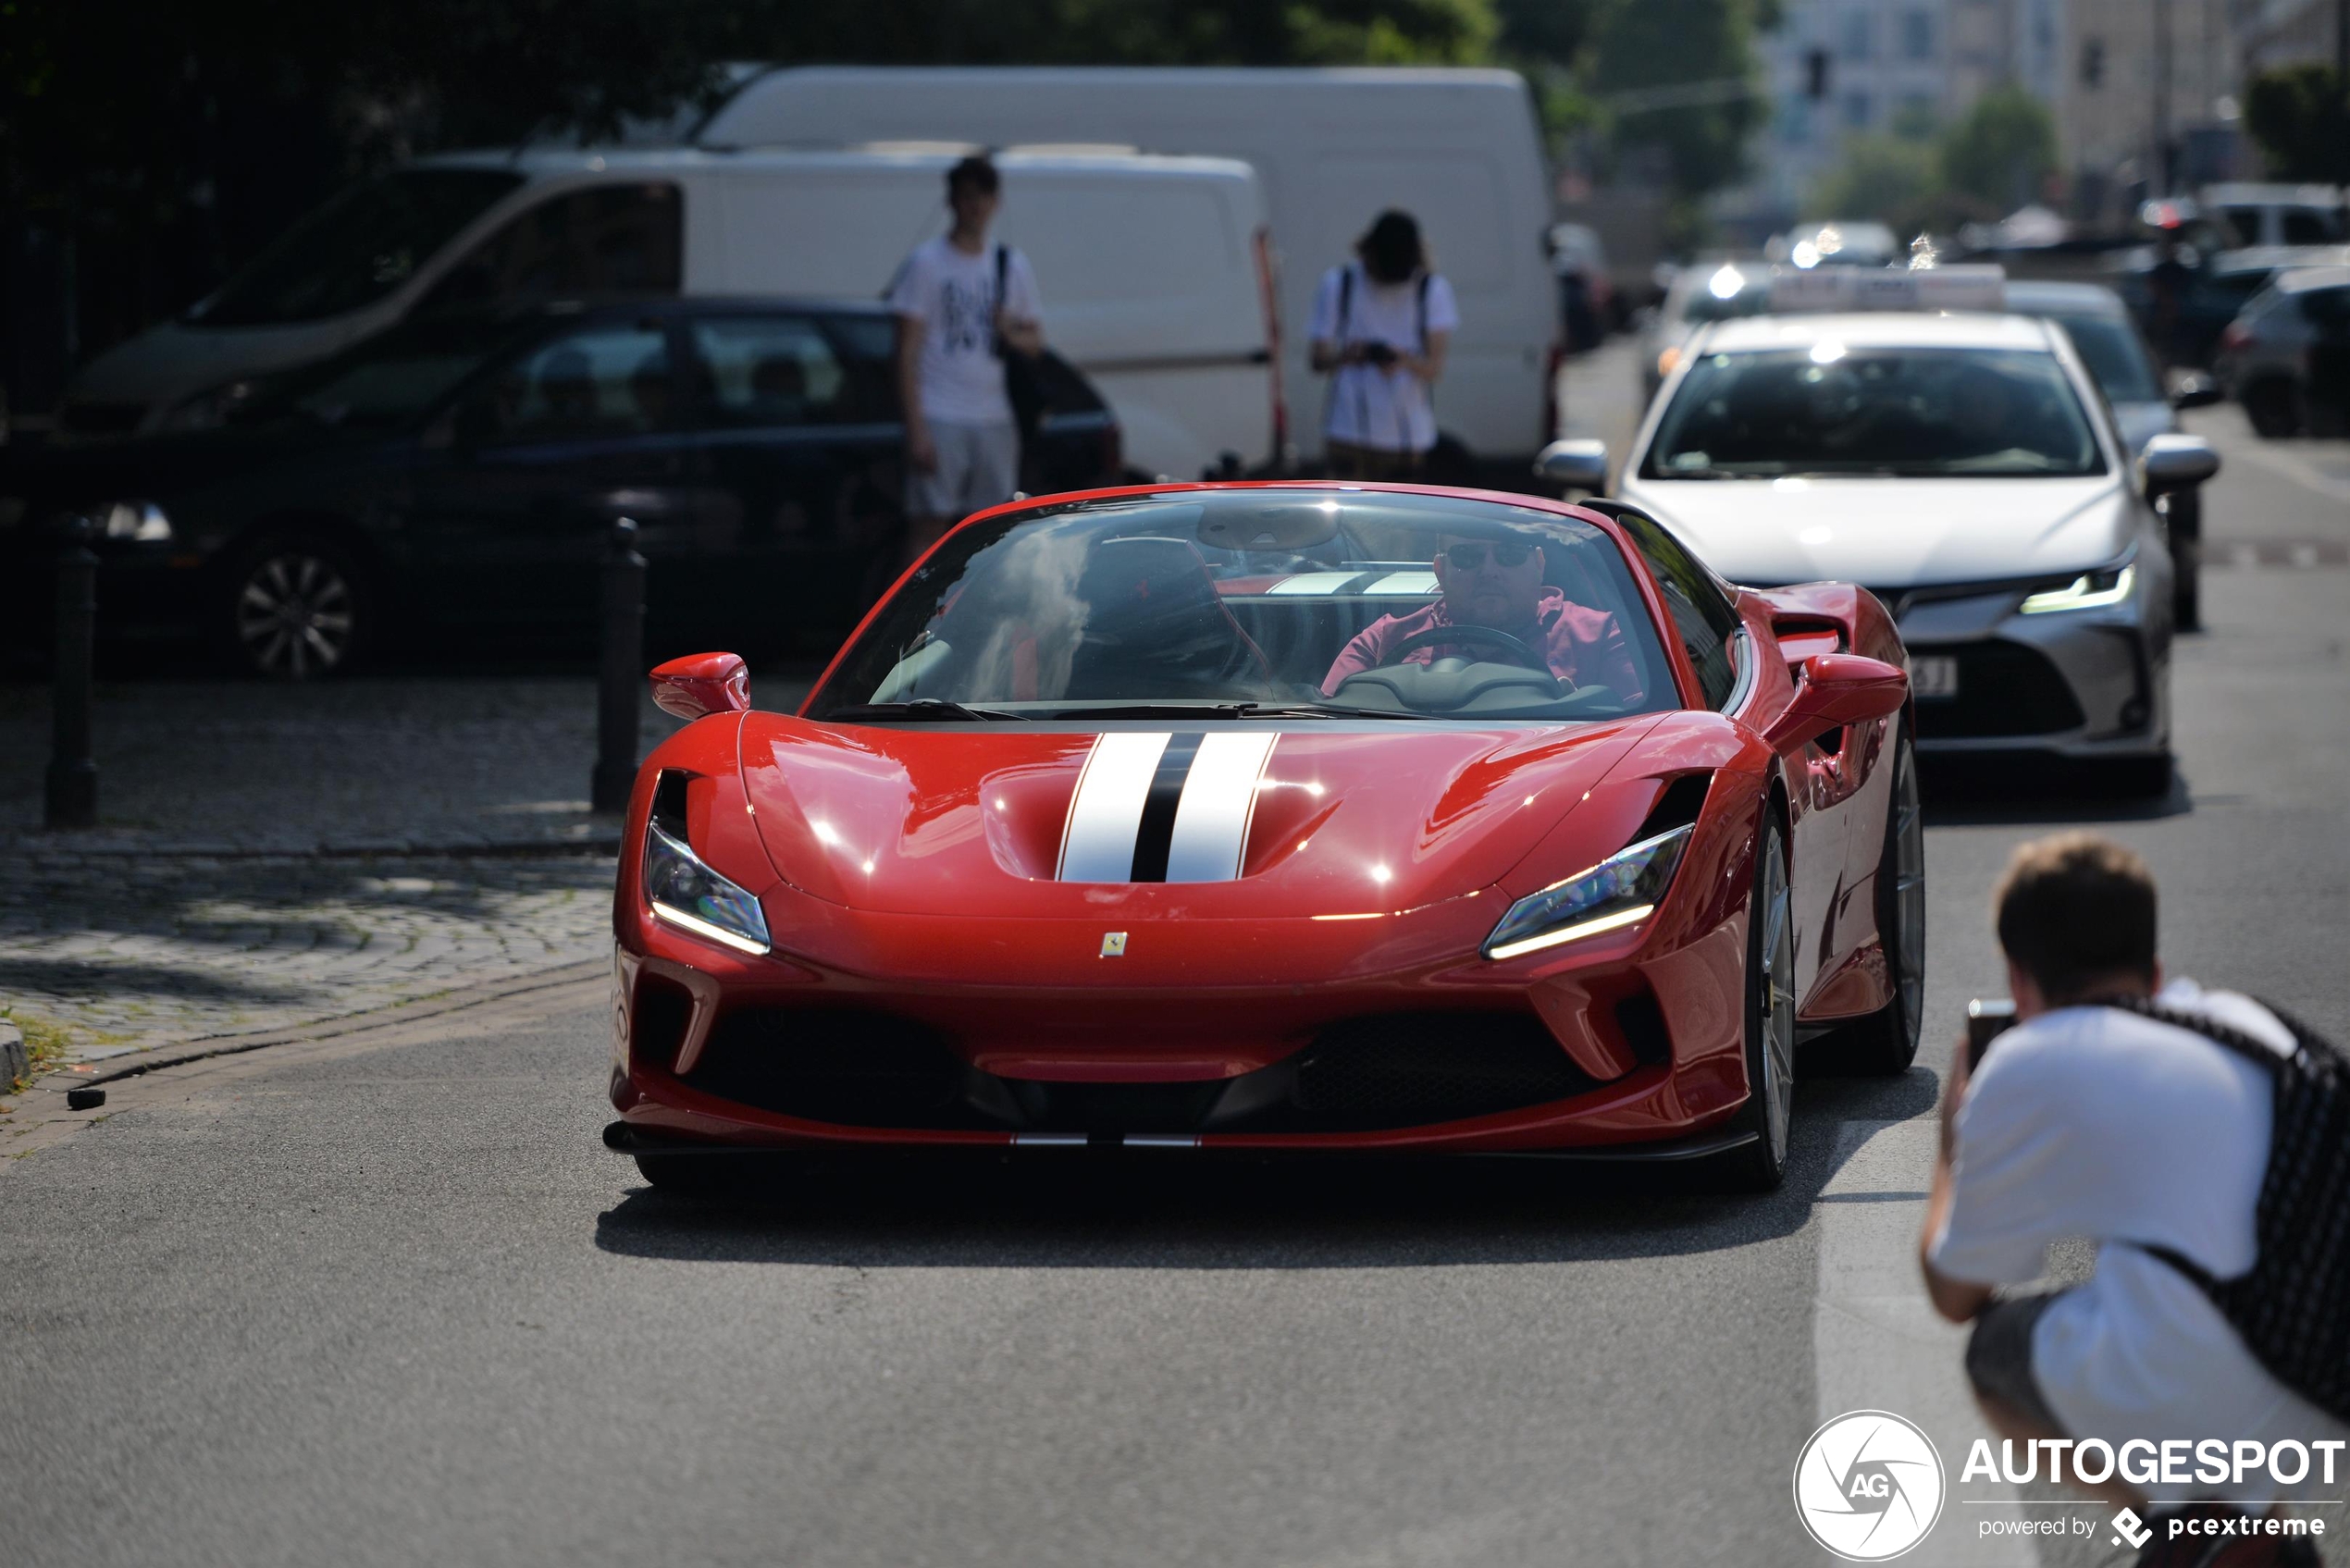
x=1434, y=636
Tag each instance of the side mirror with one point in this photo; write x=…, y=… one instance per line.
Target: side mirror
x=1836, y=689
x=703, y=684
x=2193, y=389
x=1579, y=464
x=2176, y=462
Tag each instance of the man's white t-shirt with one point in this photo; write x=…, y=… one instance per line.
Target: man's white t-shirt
x=2093, y=1122
x=1386, y=408
x=952, y=293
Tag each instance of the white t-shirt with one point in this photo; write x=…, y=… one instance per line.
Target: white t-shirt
x=2092, y=1122
x=1370, y=406
x=952, y=293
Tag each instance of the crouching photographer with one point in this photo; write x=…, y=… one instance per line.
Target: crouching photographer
x=2200, y=1140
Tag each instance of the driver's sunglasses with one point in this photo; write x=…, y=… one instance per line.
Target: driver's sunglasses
x=1469, y=557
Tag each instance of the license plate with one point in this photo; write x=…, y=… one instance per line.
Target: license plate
x=1934, y=676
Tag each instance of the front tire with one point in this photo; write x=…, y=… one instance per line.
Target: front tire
x=1886, y=1043
x=2275, y=412
x=1761, y=1164
x=298, y=608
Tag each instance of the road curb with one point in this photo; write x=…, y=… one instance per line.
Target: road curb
x=16, y=1062
x=502, y=850
x=92, y=1075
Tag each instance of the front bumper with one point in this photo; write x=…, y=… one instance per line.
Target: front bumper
x=1631, y=1041
x=2085, y=683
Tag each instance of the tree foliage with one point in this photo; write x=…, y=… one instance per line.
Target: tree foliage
x=2300, y=115
x=1987, y=163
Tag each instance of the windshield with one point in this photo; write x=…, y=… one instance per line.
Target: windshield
x=2110, y=348
x=1304, y=603
x=1906, y=413
x=386, y=381
x=360, y=246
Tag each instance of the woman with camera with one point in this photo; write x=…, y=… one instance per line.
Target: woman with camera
x=1379, y=329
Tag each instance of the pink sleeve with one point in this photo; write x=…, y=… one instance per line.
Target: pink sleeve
x=1360, y=654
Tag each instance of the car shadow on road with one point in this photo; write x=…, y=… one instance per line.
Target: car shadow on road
x=1178, y=1210
x=1989, y=791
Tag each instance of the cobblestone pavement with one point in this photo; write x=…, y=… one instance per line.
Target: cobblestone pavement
x=273, y=855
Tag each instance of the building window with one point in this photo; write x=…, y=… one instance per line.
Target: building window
x=1856, y=110
x=1795, y=121
x=1858, y=38
x=1917, y=35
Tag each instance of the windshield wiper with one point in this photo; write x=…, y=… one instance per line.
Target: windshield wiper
x=932, y=708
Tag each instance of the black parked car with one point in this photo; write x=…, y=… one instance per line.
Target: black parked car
x=459, y=474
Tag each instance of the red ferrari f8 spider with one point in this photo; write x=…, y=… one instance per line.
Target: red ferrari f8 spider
x=1280, y=817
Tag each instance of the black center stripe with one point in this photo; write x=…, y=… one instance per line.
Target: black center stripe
x=1156, y=831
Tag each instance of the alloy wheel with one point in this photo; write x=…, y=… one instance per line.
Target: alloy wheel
x=295, y=616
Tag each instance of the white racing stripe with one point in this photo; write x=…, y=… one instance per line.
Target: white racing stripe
x=1313, y=583
x=1098, y=841
x=1220, y=795
x=1419, y=583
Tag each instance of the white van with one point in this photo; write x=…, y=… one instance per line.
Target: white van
x=1458, y=149
x=1155, y=270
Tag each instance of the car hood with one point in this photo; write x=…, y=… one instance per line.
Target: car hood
x=1893, y=533
x=176, y=361
x=1336, y=820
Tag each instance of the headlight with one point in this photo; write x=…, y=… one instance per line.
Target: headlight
x=141, y=522
x=689, y=896
x=2090, y=590
x=1620, y=889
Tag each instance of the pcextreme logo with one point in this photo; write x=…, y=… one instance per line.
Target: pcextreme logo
x=1868, y=1486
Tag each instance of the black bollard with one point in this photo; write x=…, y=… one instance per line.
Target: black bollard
x=71, y=799
x=623, y=671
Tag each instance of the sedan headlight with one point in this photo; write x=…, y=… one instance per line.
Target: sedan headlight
x=1621, y=890
x=140, y=522
x=2090, y=590
x=685, y=892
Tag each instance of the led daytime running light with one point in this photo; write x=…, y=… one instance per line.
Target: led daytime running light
x=1620, y=891
x=2084, y=592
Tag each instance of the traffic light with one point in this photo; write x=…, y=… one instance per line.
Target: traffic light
x=1815, y=73
x=2092, y=62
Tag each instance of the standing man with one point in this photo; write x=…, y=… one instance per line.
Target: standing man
x=962, y=306
x=1379, y=329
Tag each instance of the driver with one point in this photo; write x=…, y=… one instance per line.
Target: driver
x=1497, y=583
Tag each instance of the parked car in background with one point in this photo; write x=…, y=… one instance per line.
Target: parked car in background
x=2124, y=370
x=462, y=473
x=1459, y=150
x=2280, y=357
x=2215, y=292
x=2281, y=215
x=1964, y=469
x=1706, y=292
x=1154, y=270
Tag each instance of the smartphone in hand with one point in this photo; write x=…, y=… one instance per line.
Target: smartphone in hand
x=1985, y=1022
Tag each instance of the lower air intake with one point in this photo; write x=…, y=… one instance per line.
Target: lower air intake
x=1410, y=1069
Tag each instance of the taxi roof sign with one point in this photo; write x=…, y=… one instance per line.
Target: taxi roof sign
x=1971, y=286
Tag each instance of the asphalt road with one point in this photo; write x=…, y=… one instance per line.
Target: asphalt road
x=385, y=1299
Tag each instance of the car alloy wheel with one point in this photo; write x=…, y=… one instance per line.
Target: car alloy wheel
x=1760, y=1164
x=297, y=614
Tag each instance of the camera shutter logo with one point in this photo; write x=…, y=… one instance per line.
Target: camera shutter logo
x=1868, y=1486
